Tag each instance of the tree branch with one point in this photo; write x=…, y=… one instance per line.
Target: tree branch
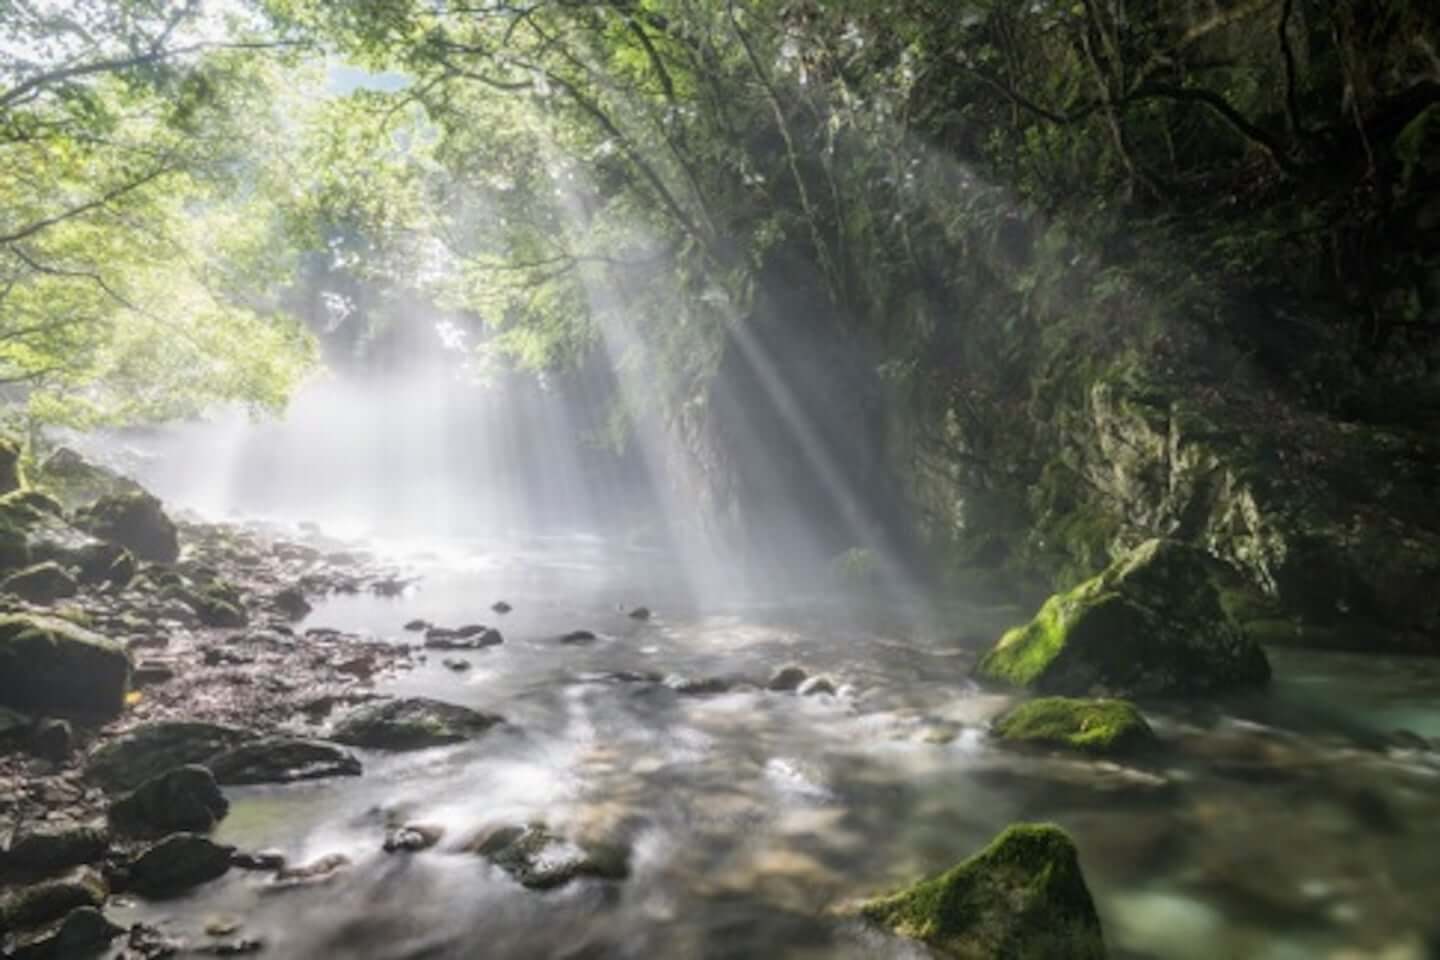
x=39, y=225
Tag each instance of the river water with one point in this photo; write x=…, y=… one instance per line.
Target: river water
x=1281, y=825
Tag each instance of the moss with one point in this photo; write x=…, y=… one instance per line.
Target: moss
x=1093, y=726
x=1022, y=897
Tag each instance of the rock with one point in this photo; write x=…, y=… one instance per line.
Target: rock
x=815, y=686
x=576, y=637
x=500, y=606
x=46, y=846
x=1151, y=624
x=132, y=758
x=137, y=522
x=282, y=760
x=269, y=860
x=184, y=798
x=13, y=723
x=51, y=899
x=149, y=673
x=78, y=481
x=84, y=932
x=52, y=666
x=10, y=476
x=1022, y=896
x=540, y=860
x=100, y=562
x=241, y=947
x=291, y=603
x=411, y=723
x=412, y=838
x=786, y=679
x=177, y=863
x=41, y=583
x=415, y=626
x=215, y=603
x=457, y=664
x=1091, y=726
x=698, y=687
x=52, y=740
x=315, y=872
x=472, y=637
x=640, y=613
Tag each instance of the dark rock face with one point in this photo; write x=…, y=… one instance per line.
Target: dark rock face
x=185, y=798
x=282, y=760
x=410, y=724
x=1151, y=624
x=145, y=752
x=1023, y=896
x=540, y=860
x=137, y=522
x=177, y=863
x=41, y=583
x=52, y=666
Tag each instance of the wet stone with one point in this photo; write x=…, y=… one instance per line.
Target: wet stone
x=315, y=872
x=816, y=686
x=83, y=932
x=500, y=606
x=261, y=860
x=456, y=663
x=177, y=863
x=412, y=838
x=47, y=846
x=411, y=723
x=282, y=760
x=640, y=613
x=184, y=798
x=49, y=900
x=53, y=740
x=786, y=679
x=577, y=637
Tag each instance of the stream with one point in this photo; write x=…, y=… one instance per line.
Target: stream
x=1291, y=824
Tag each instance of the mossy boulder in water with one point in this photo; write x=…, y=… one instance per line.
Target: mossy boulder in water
x=51, y=666
x=411, y=723
x=149, y=751
x=1023, y=898
x=1150, y=624
x=177, y=863
x=1092, y=726
x=41, y=583
x=183, y=798
x=137, y=522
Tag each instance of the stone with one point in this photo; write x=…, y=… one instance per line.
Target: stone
x=137, y=522
x=215, y=603
x=268, y=860
x=1090, y=726
x=184, y=798
x=458, y=664
x=10, y=475
x=282, y=760
x=540, y=860
x=52, y=739
x=77, y=481
x=1150, y=625
x=41, y=583
x=49, y=900
x=415, y=626
x=640, y=613
x=46, y=846
x=412, y=838
x=698, y=686
x=472, y=637
x=577, y=637
x=147, y=751
x=786, y=679
x=1023, y=896
x=53, y=666
x=150, y=673
x=321, y=870
x=177, y=863
x=411, y=723
x=500, y=606
x=84, y=932
x=816, y=686
x=291, y=603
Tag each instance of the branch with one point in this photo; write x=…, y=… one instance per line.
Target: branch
x=1221, y=108
x=39, y=225
x=94, y=278
x=1292, y=103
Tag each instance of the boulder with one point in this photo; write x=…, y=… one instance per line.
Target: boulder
x=10, y=476
x=786, y=679
x=540, y=860
x=46, y=846
x=411, y=723
x=49, y=900
x=1150, y=624
x=41, y=583
x=136, y=521
x=412, y=838
x=77, y=481
x=1090, y=726
x=177, y=863
x=52, y=666
x=291, y=603
x=215, y=603
x=184, y=798
x=1023, y=896
x=282, y=760
x=52, y=739
x=148, y=751
x=84, y=932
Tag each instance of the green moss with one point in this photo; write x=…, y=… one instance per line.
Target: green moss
x=1093, y=726
x=1022, y=897
x=1024, y=653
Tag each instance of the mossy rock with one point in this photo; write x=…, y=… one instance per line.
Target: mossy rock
x=11, y=477
x=1151, y=624
x=78, y=481
x=177, y=863
x=215, y=604
x=411, y=723
x=41, y=583
x=1021, y=898
x=1091, y=726
x=130, y=759
x=51, y=899
x=136, y=521
x=50, y=666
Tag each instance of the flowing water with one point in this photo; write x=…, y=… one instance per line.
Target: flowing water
x=1274, y=826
